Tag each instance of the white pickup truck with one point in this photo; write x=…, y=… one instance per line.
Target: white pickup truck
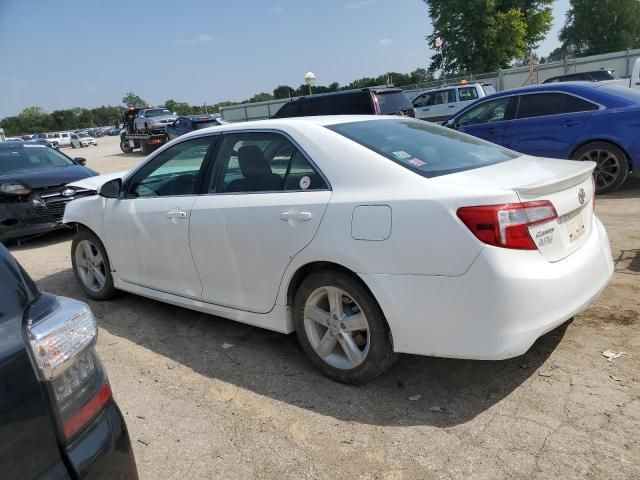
x=602, y=75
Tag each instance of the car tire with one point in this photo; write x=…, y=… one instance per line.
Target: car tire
x=612, y=164
x=91, y=266
x=73, y=146
x=347, y=338
x=124, y=146
x=145, y=148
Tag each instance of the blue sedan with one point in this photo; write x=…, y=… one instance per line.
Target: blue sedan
x=189, y=123
x=578, y=121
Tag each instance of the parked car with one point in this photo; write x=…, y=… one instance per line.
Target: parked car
x=594, y=76
x=33, y=194
x=360, y=233
x=189, y=123
x=14, y=140
x=82, y=139
x=366, y=101
x=114, y=132
x=578, y=121
x=153, y=120
x=441, y=103
x=58, y=417
x=63, y=138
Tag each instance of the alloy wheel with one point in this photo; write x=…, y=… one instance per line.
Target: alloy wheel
x=336, y=327
x=607, y=167
x=90, y=266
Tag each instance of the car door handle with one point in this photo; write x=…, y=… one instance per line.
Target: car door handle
x=571, y=123
x=176, y=213
x=302, y=216
x=452, y=106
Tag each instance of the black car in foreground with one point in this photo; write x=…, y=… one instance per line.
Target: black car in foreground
x=32, y=188
x=189, y=123
x=58, y=419
x=365, y=101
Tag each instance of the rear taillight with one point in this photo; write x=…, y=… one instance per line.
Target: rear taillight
x=376, y=104
x=62, y=346
x=507, y=225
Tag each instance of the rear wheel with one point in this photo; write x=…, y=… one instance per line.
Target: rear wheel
x=124, y=146
x=146, y=148
x=341, y=328
x=91, y=266
x=612, y=165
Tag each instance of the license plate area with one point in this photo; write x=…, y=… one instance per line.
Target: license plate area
x=574, y=225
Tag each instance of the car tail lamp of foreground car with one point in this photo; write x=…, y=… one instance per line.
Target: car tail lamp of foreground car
x=507, y=225
x=62, y=345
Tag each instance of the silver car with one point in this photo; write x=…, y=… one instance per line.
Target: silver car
x=153, y=120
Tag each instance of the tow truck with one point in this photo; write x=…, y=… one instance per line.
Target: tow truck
x=130, y=139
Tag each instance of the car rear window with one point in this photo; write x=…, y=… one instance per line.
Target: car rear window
x=393, y=101
x=423, y=148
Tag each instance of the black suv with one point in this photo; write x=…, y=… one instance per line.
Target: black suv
x=594, y=76
x=57, y=416
x=367, y=101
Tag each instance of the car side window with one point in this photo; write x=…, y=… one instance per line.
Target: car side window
x=444, y=96
x=571, y=104
x=174, y=172
x=262, y=162
x=539, y=104
x=467, y=93
x=487, y=112
x=424, y=100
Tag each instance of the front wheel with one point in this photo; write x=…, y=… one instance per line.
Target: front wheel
x=91, y=266
x=612, y=166
x=341, y=328
x=125, y=147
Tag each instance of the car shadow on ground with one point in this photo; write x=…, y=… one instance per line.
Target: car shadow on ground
x=629, y=189
x=127, y=155
x=40, y=241
x=450, y=392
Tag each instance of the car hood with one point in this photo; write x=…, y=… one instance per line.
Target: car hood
x=525, y=174
x=94, y=183
x=48, y=177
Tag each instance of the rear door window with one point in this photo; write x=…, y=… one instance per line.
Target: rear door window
x=444, y=96
x=467, y=93
x=539, y=105
x=423, y=148
x=571, y=104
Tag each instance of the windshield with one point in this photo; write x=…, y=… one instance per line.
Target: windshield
x=158, y=112
x=426, y=149
x=83, y=135
x=31, y=157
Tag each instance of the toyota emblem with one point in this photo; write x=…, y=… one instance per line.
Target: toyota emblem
x=581, y=196
x=70, y=192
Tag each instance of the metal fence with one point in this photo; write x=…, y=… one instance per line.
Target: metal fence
x=621, y=62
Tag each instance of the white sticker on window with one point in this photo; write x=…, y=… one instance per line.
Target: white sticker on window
x=401, y=154
x=305, y=182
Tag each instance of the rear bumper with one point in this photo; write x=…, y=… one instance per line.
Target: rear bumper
x=499, y=307
x=104, y=449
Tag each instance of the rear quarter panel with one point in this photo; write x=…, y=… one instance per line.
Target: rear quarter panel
x=618, y=126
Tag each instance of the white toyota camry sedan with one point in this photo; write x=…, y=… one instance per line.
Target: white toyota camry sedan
x=367, y=236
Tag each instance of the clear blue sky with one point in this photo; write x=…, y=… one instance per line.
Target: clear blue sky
x=67, y=53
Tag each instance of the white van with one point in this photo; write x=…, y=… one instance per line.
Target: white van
x=438, y=104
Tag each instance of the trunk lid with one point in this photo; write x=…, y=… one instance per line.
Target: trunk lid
x=566, y=184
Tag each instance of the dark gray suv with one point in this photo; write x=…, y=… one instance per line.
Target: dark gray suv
x=366, y=101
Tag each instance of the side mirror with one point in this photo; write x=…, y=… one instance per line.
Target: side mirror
x=80, y=161
x=451, y=124
x=111, y=189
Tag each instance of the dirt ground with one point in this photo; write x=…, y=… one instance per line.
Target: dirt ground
x=209, y=398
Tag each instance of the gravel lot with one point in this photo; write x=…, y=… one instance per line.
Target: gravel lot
x=209, y=398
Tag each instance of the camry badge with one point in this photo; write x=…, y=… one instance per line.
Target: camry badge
x=70, y=192
x=581, y=196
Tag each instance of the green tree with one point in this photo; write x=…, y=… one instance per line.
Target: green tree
x=484, y=35
x=181, y=108
x=283, y=91
x=601, y=26
x=133, y=100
